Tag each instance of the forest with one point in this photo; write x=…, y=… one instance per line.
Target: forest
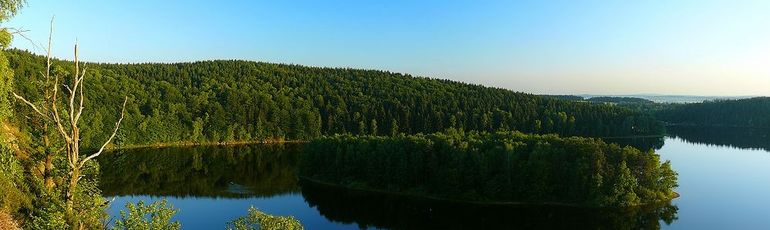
x=750, y=112
x=241, y=101
x=493, y=167
x=228, y=100
x=726, y=112
x=232, y=101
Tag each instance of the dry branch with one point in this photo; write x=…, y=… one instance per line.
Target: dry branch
x=114, y=132
x=30, y=105
x=70, y=132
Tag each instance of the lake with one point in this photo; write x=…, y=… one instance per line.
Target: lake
x=723, y=178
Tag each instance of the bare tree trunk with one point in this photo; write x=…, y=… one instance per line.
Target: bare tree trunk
x=69, y=131
x=70, y=198
x=48, y=162
x=48, y=174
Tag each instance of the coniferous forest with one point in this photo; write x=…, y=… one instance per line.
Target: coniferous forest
x=746, y=113
x=182, y=118
x=493, y=167
x=226, y=101
x=241, y=101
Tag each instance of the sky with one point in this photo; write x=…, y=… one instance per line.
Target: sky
x=685, y=47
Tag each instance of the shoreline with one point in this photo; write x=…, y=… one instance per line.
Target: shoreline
x=278, y=141
x=469, y=202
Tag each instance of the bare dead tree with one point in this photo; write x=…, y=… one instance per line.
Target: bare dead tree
x=44, y=112
x=67, y=124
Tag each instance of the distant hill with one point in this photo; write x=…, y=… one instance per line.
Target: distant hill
x=564, y=97
x=678, y=99
x=620, y=100
x=230, y=100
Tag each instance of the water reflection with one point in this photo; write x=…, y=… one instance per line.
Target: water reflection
x=229, y=179
x=743, y=138
x=237, y=171
x=397, y=212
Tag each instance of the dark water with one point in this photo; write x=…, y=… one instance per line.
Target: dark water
x=723, y=177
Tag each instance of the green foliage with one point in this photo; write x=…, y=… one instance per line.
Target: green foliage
x=751, y=112
x=48, y=210
x=6, y=82
x=89, y=204
x=156, y=216
x=212, y=101
x=9, y=8
x=12, y=185
x=48, y=214
x=501, y=166
x=623, y=193
x=260, y=220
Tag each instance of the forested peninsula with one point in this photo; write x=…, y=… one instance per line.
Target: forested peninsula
x=500, y=167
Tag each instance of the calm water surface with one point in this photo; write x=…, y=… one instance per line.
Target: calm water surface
x=723, y=177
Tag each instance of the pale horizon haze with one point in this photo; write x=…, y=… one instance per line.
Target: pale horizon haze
x=715, y=48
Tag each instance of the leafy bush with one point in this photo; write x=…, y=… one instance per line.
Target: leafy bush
x=156, y=216
x=12, y=184
x=260, y=220
x=49, y=215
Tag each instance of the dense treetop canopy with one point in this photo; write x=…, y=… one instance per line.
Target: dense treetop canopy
x=220, y=101
x=501, y=166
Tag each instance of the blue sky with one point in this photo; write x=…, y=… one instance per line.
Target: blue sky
x=558, y=47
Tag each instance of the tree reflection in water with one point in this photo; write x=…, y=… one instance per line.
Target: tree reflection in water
x=743, y=138
x=216, y=171
x=247, y=171
x=397, y=212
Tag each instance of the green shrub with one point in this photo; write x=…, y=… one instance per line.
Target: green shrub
x=260, y=220
x=156, y=216
x=12, y=197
